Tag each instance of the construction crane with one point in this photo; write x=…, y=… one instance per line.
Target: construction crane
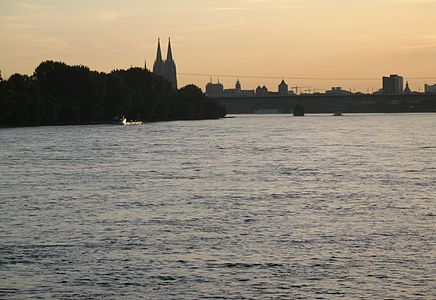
x=296, y=88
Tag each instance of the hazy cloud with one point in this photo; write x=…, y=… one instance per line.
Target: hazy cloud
x=33, y=9
x=108, y=16
x=417, y=2
x=261, y=5
x=221, y=26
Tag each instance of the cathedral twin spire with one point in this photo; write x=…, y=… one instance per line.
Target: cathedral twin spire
x=166, y=68
x=170, y=52
x=159, y=52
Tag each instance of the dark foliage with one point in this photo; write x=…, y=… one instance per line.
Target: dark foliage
x=62, y=94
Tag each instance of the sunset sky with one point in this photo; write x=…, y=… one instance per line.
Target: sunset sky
x=265, y=38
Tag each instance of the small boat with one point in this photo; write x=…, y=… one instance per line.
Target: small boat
x=337, y=114
x=119, y=120
x=134, y=123
x=122, y=120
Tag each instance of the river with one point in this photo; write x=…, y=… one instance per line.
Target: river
x=250, y=207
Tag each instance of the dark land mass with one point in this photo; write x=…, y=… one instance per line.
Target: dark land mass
x=59, y=94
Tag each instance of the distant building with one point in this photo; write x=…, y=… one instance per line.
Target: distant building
x=393, y=85
x=407, y=90
x=283, y=88
x=247, y=93
x=261, y=91
x=238, y=87
x=378, y=92
x=430, y=89
x=338, y=91
x=234, y=92
x=166, y=68
x=214, y=89
x=217, y=90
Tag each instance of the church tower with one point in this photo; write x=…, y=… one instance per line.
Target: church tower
x=407, y=90
x=238, y=87
x=283, y=88
x=158, y=67
x=166, y=68
x=170, y=67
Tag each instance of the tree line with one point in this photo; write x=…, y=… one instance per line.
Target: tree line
x=57, y=93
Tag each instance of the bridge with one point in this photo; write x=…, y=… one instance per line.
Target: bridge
x=364, y=103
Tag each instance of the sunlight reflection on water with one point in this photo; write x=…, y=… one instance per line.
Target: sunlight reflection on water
x=249, y=207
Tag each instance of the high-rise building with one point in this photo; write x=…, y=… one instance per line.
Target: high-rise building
x=393, y=85
x=166, y=68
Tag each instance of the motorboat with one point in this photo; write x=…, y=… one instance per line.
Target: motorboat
x=119, y=120
x=122, y=120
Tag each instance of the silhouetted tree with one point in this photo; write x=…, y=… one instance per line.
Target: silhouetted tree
x=62, y=94
x=117, y=96
x=8, y=103
x=193, y=105
x=18, y=99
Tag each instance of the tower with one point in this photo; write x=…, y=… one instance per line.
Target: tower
x=283, y=88
x=238, y=87
x=407, y=90
x=158, y=66
x=166, y=68
x=170, y=67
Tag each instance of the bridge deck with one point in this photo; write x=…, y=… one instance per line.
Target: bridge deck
x=330, y=104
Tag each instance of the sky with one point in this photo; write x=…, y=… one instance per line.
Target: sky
x=331, y=40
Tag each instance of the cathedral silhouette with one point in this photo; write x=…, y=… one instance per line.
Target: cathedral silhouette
x=166, y=68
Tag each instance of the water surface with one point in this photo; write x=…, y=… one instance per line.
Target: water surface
x=252, y=207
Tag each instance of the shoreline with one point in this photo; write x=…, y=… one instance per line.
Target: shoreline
x=230, y=116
